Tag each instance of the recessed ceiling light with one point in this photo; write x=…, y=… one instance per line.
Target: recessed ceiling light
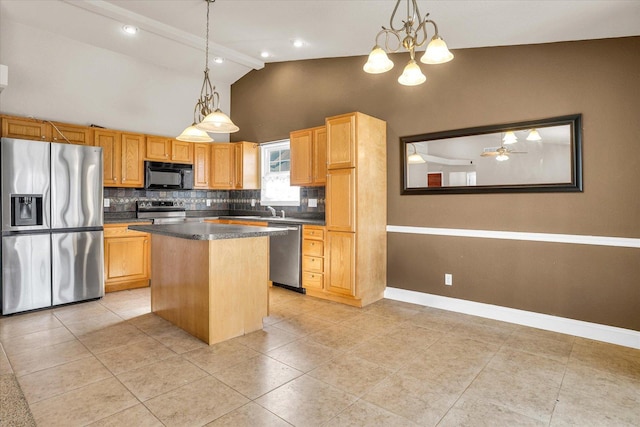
x=130, y=29
x=265, y=54
x=218, y=60
x=298, y=43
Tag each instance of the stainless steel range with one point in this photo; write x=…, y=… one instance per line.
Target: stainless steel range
x=162, y=211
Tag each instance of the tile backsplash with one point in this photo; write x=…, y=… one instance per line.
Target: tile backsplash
x=124, y=200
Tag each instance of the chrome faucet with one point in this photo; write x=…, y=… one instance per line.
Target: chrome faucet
x=282, y=213
x=272, y=210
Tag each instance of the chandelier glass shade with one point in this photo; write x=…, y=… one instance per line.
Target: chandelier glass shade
x=207, y=116
x=410, y=33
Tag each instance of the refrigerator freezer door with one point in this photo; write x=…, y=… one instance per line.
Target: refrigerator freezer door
x=76, y=186
x=25, y=170
x=78, y=266
x=26, y=272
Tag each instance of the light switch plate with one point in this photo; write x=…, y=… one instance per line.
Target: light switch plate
x=313, y=203
x=106, y=203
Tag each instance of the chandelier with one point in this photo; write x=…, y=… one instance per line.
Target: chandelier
x=411, y=34
x=207, y=116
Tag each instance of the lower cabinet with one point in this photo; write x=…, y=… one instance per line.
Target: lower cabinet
x=341, y=249
x=313, y=259
x=127, y=258
x=328, y=264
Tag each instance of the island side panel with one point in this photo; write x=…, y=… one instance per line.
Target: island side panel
x=180, y=283
x=238, y=285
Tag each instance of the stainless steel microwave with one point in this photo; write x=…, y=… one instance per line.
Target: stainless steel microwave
x=168, y=176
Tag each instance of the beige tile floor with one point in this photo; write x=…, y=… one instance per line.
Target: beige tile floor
x=112, y=363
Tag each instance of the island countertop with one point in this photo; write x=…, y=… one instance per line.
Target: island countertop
x=209, y=231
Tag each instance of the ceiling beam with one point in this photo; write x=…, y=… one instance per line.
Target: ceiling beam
x=123, y=15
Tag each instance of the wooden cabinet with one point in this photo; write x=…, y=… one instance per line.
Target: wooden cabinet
x=201, y=162
x=158, y=148
x=342, y=259
x=72, y=134
x=127, y=258
x=222, y=164
x=23, y=128
x=181, y=151
x=122, y=156
x=110, y=142
x=162, y=149
x=39, y=130
x=341, y=141
x=309, y=156
x=132, y=160
x=341, y=199
x=319, y=157
x=356, y=209
x=246, y=166
x=313, y=259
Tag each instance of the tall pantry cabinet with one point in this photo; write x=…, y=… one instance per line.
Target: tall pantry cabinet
x=356, y=209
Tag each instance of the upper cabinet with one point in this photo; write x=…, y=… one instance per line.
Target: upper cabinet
x=72, y=134
x=201, y=162
x=164, y=149
x=158, y=148
x=39, y=130
x=341, y=141
x=122, y=155
x=247, y=174
x=309, y=156
x=15, y=127
x=222, y=164
x=181, y=151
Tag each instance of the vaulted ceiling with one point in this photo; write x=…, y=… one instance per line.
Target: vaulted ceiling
x=172, y=31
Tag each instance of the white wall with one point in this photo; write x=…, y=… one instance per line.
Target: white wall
x=55, y=78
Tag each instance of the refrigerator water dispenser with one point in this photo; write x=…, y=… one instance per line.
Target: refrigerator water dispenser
x=26, y=209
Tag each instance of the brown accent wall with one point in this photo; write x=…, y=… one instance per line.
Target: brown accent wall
x=597, y=78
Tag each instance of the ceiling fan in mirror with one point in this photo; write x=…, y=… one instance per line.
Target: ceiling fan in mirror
x=500, y=153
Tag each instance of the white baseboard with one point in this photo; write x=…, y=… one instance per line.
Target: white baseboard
x=594, y=331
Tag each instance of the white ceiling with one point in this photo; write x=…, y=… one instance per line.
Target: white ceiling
x=172, y=31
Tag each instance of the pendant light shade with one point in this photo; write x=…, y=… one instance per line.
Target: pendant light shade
x=437, y=52
x=509, y=138
x=217, y=122
x=378, y=61
x=415, y=158
x=534, y=136
x=412, y=75
x=193, y=134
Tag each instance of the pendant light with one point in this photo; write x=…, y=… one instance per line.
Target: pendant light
x=534, y=135
x=207, y=116
x=414, y=28
x=415, y=158
x=509, y=138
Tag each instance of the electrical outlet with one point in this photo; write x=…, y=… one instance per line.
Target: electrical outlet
x=208, y=202
x=313, y=203
x=448, y=279
x=253, y=203
x=106, y=203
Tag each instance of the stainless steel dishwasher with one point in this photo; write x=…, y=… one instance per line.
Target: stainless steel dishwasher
x=285, y=257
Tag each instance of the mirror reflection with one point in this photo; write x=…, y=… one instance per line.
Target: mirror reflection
x=531, y=156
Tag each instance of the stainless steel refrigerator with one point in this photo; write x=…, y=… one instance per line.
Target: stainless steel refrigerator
x=52, y=224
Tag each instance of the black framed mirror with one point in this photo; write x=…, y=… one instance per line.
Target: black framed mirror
x=533, y=156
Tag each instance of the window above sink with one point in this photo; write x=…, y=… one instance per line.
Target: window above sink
x=275, y=170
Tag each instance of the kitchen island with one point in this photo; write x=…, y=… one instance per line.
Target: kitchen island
x=210, y=279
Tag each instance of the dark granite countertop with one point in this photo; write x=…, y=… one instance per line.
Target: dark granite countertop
x=277, y=220
x=209, y=231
